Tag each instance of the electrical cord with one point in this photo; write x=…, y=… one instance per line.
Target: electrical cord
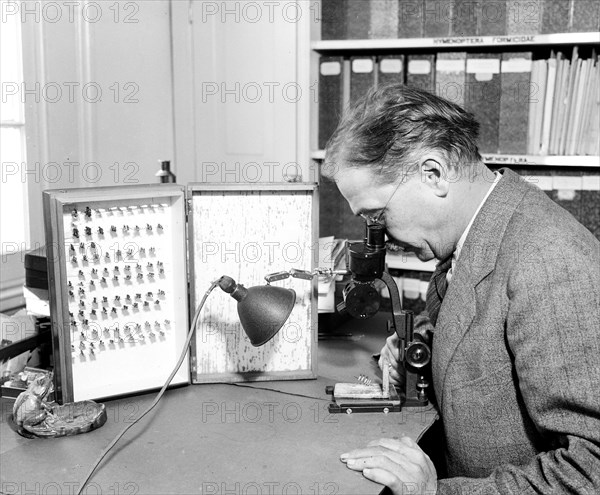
x=160, y=393
x=279, y=391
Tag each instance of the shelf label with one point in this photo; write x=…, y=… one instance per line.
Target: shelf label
x=331, y=69
x=419, y=66
x=544, y=182
x=390, y=66
x=477, y=40
x=516, y=65
x=514, y=159
x=591, y=183
x=458, y=41
x=362, y=65
x=514, y=39
x=483, y=68
x=450, y=65
x=567, y=183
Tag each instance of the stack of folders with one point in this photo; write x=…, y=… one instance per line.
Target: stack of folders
x=384, y=19
x=525, y=106
x=332, y=255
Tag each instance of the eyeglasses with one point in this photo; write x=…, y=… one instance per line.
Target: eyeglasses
x=376, y=219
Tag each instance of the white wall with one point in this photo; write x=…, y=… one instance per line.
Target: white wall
x=102, y=112
x=244, y=65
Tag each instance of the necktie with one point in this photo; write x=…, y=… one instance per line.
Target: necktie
x=437, y=289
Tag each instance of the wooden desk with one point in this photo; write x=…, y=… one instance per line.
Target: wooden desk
x=221, y=439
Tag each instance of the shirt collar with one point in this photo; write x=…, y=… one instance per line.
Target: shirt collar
x=463, y=237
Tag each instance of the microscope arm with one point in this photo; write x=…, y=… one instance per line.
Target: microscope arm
x=402, y=320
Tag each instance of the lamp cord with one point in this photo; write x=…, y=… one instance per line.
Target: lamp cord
x=160, y=393
x=284, y=392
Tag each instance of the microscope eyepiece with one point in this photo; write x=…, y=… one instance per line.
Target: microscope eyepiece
x=375, y=237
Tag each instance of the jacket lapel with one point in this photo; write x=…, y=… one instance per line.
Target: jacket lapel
x=477, y=260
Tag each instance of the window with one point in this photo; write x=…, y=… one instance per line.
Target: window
x=14, y=223
x=13, y=193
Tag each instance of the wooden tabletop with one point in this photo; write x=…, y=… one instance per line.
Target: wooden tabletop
x=266, y=438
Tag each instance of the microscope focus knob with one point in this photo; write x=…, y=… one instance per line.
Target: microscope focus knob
x=418, y=354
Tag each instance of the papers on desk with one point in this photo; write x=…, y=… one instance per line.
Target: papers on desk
x=332, y=255
x=36, y=301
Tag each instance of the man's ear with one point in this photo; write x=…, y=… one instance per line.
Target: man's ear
x=434, y=173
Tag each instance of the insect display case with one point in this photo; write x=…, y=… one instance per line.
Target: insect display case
x=127, y=266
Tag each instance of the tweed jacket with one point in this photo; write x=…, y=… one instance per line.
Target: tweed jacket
x=516, y=351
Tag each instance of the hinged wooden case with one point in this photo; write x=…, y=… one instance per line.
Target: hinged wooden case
x=128, y=265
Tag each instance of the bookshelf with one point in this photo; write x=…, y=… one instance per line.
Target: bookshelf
x=368, y=45
x=573, y=161
x=571, y=179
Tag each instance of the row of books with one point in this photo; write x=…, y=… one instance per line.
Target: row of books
x=517, y=101
x=579, y=194
x=564, y=117
x=412, y=286
x=383, y=19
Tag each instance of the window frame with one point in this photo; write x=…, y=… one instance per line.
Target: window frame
x=12, y=277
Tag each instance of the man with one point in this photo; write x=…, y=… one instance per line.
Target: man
x=514, y=303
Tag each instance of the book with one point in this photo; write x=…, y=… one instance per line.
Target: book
x=410, y=18
x=515, y=79
x=583, y=110
x=464, y=18
x=555, y=16
x=420, y=71
x=330, y=96
x=548, y=106
x=585, y=16
x=492, y=18
x=384, y=19
x=566, y=120
x=483, y=96
x=335, y=216
x=536, y=106
x=333, y=17
x=591, y=90
x=362, y=77
x=592, y=142
x=358, y=19
x=566, y=191
x=590, y=203
x=577, y=102
x=437, y=15
x=411, y=291
x=524, y=16
x=390, y=69
x=450, y=76
x=562, y=66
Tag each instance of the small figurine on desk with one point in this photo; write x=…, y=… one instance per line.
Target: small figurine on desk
x=34, y=416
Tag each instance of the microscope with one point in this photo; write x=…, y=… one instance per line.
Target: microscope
x=362, y=300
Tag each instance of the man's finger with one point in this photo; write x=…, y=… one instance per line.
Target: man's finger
x=380, y=460
x=406, y=447
x=393, y=348
x=383, y=477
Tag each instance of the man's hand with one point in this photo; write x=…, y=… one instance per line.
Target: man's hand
x=391, y=352
x=400, y=465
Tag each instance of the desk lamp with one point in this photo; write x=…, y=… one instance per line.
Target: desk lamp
x=262, y=309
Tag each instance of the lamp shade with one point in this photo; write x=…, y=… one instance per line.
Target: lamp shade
x=262, y=310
